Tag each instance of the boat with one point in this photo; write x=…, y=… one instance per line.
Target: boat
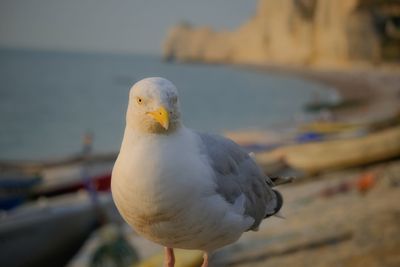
x=124, y=248
x=49, y=232
x=321, y=156
x=109, y=245
x=35, y=166
x=327, y=127
x=318, y=106
x=15, y=189
x=57, y=176
x=270, y=165
x=101, y=183
x=18, y=181
x=73, y=177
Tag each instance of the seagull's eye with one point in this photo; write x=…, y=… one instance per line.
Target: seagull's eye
x=139, y=100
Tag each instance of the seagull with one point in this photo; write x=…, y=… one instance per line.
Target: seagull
x=181, y=188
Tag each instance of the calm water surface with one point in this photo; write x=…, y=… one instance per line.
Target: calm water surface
x=48, y=100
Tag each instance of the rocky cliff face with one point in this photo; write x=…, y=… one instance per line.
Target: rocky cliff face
x=297, y=32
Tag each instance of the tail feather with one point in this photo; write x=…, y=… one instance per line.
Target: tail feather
x=279, y=215
x=278, y=180
x=278, y=206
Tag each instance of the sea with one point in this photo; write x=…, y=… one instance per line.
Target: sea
x=50, y=100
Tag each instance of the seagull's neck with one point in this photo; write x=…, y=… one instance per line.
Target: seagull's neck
x=132, y=136
x=147, y=127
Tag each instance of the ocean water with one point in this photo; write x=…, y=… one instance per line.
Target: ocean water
x=48, y=100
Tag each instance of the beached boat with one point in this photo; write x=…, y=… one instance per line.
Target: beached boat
x=49, y=232
x=100, y=183
x=55, y=177
x=17, y=181
x=109, y=245
x=70, y=178
x=337, y=154
x=270, y=165
x=15, y=189
x=30, y=166
x=327, y=127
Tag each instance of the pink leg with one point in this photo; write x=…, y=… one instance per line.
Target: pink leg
x=169, y=257
x=205, y=261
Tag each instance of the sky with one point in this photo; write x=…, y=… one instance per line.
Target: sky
x=116, y=26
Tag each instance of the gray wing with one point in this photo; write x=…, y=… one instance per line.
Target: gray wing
x=236, y=174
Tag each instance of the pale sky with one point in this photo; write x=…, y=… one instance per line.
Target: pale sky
x=119, y=26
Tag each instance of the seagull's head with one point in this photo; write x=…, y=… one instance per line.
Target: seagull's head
x=153, y=106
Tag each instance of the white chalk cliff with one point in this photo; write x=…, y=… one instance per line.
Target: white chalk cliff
x=297, y=32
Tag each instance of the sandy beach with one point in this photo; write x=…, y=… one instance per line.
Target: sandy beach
x=328, y=227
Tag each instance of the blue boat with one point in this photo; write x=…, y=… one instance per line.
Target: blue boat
x=16, y=189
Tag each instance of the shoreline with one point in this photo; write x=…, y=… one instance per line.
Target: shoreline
x=368, y=98
x=376, y=91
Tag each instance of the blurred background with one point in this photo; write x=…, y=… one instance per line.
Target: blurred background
x=312, y=87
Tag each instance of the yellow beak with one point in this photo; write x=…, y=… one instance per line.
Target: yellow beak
x=161, y=115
